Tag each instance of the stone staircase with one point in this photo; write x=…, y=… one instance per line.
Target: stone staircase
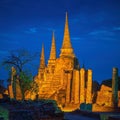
x=51, y=86
x=55, y=84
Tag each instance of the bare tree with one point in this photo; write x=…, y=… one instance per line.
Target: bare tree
x=19, y=59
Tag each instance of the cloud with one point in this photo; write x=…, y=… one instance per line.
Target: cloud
x=5, y=35
x=102, y=33
x=9, y=38
x=48, y=28
x=35, y=30
x=31, y=30
x=116, y=28
x=75, y=38
x=10, y=35
x=2, y=52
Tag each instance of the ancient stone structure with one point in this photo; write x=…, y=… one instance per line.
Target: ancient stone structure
x=14, y=89
x=62, y=79
x=104, y=96
x=89, y=90
x=115, y=88
x=18, y=89
x=108, y=98
x=10, y=87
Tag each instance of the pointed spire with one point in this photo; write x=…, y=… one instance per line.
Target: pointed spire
x=53, y=48
x=66, y=39
x=42, y=58
x=66, y=45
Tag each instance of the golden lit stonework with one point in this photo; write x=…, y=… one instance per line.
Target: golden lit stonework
x=62, y=79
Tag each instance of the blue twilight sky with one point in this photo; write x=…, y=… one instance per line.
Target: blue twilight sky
x=94, y=30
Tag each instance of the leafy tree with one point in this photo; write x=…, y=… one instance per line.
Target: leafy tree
x=25, y=82
x=34, y=89
x=19, y=59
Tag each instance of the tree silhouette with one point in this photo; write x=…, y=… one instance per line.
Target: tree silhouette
x=19, y=59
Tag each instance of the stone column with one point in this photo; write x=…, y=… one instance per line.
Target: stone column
x=89, y=88
x=18, y=90
x=10, y=91
x=76, y=79
x=82, y=85
x=68, y=89
x=12, y=86
x=73, y=89
x=115, y=88
x=62, y=79
x=13, y=73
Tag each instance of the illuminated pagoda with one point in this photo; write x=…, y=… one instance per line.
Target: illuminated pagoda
x=62, y=79
x=70, y=85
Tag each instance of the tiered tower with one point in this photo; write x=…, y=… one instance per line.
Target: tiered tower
x=66, y=49
x=62, y=79
x=52, y=58
x=42, y=65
